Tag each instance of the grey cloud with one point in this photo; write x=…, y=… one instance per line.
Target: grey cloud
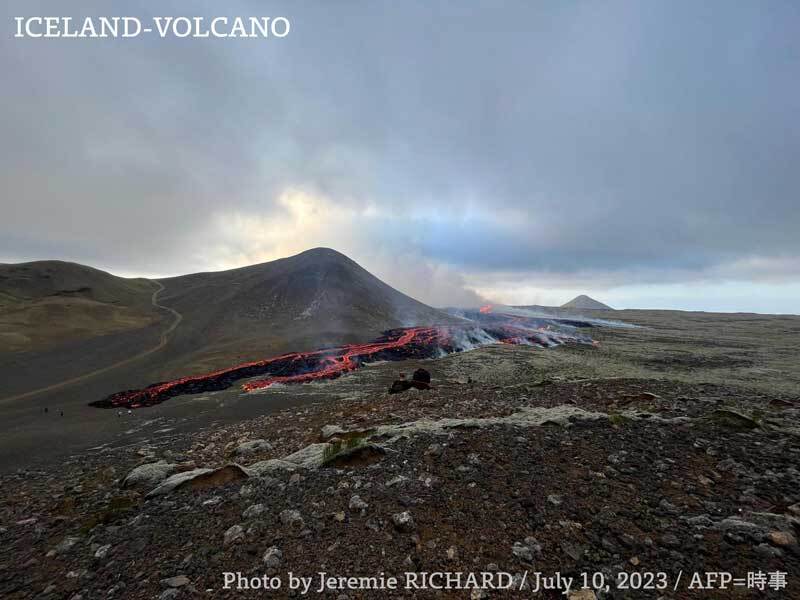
x=615, y=141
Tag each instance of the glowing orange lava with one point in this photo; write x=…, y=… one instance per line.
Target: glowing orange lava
x=329, y=363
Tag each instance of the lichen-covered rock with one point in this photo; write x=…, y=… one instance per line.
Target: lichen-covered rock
x=403, y=522
x=267, y=467
x=292, y=518
x=356, y=503
x=273, y=557
x=732, y=419
x=252, y=447
x=253, y=511
x=149, y=474
x=330, y=430
x=201, y=479
x=310, y=457
x=234, y=535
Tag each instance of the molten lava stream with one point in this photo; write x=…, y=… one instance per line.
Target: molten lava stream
x=302, y=367
x=352, y=357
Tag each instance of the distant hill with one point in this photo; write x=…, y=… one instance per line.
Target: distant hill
x=45, y=303
x=584, y=302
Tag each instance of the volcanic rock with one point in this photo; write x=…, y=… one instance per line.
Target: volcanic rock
x=522, y=552
x=66, y=545
x=292, y=518
x=733, y=419
x=421, y=375
x=252, y=447
x=582, y=595
x=233, y=535
x=330, y=430
x=403, y=522
x=175, y=582
x=149, y=474
x=781, y=538
x=356, y=503
x=272, y=557
x=402, y=385
x=254, y=511
x=200, y=478
x=265, y=467
x=361, y=455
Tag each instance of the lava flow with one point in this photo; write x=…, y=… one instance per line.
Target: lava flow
x=303, y=367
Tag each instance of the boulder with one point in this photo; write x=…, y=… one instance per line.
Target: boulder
x=200, y=479
x=402, y=385
x=310, y=457
x=253, y=511
x=421, y=375
x=331, y=430
x=781, y=538
x=732, y=419
x=66, y=545
x=403, y=522
x=292, y=518
x=273, y=557
x=175, y=582
x=149, y=474
x=356, y=503
x=252, y=447
x=234, y=535
x=583, y=594
x=267, y=467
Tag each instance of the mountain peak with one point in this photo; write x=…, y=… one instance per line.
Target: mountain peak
x=584, y=302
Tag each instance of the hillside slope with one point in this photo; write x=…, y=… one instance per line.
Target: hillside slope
x=47, y=303
x=317, y=298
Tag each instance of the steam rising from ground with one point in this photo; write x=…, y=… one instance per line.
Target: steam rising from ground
x=480, y=328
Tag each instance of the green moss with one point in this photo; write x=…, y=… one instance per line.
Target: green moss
x=340, y=447
x=617, y=420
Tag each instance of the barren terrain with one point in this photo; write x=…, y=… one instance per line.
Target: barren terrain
x=669, y=447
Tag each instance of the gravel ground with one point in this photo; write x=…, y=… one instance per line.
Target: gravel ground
x=530, y=467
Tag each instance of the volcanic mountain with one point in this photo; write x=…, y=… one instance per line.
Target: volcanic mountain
x=584, y=302
x=60, y=321
x=317, y=298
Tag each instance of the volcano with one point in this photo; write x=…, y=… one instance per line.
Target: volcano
x=584, y=302
x=66, y=325
x=315, y=299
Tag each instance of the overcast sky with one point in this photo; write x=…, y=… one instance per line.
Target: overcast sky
x=645, y=153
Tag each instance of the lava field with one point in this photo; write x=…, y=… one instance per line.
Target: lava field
x=329, y=363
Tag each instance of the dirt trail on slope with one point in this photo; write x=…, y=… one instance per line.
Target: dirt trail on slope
x=162, y=342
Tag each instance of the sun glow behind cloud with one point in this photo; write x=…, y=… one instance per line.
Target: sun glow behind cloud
x=590, y=152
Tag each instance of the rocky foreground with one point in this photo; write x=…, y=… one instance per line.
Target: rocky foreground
x=595, y=476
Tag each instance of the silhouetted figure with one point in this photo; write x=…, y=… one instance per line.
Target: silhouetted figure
x=45, y=409
x=62, y=413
